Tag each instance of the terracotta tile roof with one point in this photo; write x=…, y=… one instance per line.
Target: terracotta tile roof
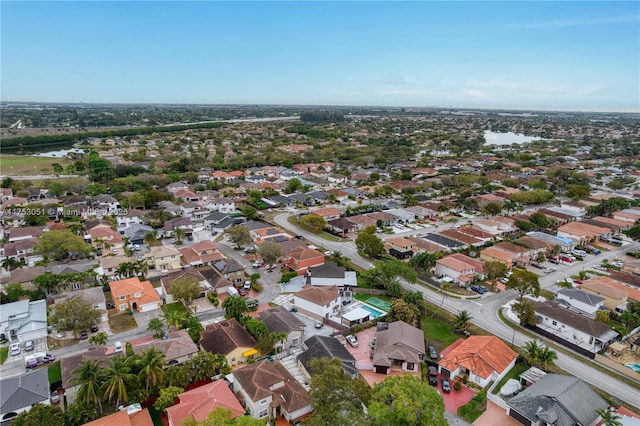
x=121, y=418
x=497, y=254
x=482, y=355
x=318, y=295
x=225, y=336
x=303, y=253
x=130, y=286
x=401, y=242
x=454, y=264
x=198, y=403
x=476, y=263
x=177, y=345
x=327, y=211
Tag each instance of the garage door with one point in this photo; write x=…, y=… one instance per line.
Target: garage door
x=148, y=307
x=380, y=369
x=445, y=373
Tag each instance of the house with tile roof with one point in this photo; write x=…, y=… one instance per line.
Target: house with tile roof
x=176, y=346
x=123, y=418
x=163, y=258
x=326, y=347
x=557, y=400
x=301, y=258
x=198, y=403
x=267, y=390
x=494, y=254
x=201, y=253
x=280, y=320
x=398, y=346
x=483, y=358
x=133, y=294
x=230, y=339
x=614, y=294
x=583, y=233
x=400, y=248
x=20, y=393
x=318, y=302
x=93, y=295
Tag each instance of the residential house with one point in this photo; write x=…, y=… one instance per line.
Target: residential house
x=383, y=219
x=187, y=195
x=124, y=418
x=109, y=264
x=192, y=273
x=459, y=268
x=326, y=347
x=331, y=274
x=577, y=330
x=519, y=255
x=163, y=258
x=403, y=215
x=280, y=320
x=400, y=248
x=557, y=400
x=267, y=390
x=93, y=295
x=565, y=244
x=421, y=212
x=24, y=277
x=626, y=215
x=176, y=346
x=23, y=320
x=483, y=358
x=579, y=301
x=105, y=238
x=221, y=205
x=21, y=393
x=22, y=250
x=214, y=219
x=183, y=223
x=202, y=253
x=318, y=302
x=462, y=238
x=129, y=218
x=614, y=294
x=231, y=270
x=133, y=294
x=199, y=402
x=230, y=339
x=494, y=254
x=301, y=258
x=136, y=233
x=496, y=227
x=217, y=282
x=24, y=233
x=341, y=226
x=361, y=221
x=398, y=345
x=328, y=213
x=583, y=233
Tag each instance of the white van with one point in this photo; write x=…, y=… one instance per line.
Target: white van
x=233, y=291
x=119, y=347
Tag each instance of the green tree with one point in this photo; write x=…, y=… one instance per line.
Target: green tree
x=99, y=339
x=337, y=399
x=403, y=311
x=118, y=378
x=157, y=326
x=185, y=288
x=461, y=321
x=634, y=231
x=89, y=375
x=424, y=261
x=150, y=237
x=177, y=375
x=494, y=270
x=492, y=209
x=338, y=258
x=578, y=192
x=151, y=364
x=524, y=282
x=546, y=357
x=40, y=415
x=177, y=319
x=239, y=235
x=293, y=185
x=14, y=292
x=234, y=307
x=58, y=244
x=167, y=397
x=76, y=314
x=79, y=413
x=179, y=235
x=270, y=252
x=369, y=244
x=249, y=212
x=223, y=417
x=385, y=275
x=540, y=219
x=312, y=223
x=609, y=418
x=525, y=311
x=206, y=365
x=405, y=400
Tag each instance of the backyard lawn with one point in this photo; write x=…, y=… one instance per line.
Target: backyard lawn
x=174, y=307
x=55, y=373
x=438, y=331
x=514, y=373
x=122, y=322
x=4, y=353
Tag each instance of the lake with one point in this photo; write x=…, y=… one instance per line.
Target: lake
x=497, y=138
x=59, y=153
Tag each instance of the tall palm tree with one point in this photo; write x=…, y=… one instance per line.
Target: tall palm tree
x=461, y=321
x=444, y=287
x=157, y=326
x=609, y=418
x=118, y=377
x=99, y=339
x=150, y=237
x=90, y=376
x=151, y=365
x=546, y=357
x=533, y=349
x=204, y=365
x=179, y=234
x=175, y=318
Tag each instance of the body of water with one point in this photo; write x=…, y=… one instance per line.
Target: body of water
x=373, y=311
x=497, y=138
x=59, y=153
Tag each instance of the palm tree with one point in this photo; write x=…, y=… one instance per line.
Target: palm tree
x=533, y=349
x=140, y=268
x=157, y=326
x=444, y=287
x=90, y=376
x=99, y=339
x=546, y=357
x=118, y=376
x=150, y=237
x=461, y=321
x=151, y=365
x=609, y=418
x=176, y=319
x=204, y=365
x=179, y=234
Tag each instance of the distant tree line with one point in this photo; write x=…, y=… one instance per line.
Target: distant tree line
x=322, y=117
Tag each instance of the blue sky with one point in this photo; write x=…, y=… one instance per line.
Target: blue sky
x=521, y=55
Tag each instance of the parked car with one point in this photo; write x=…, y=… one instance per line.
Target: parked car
x=84, y=334
x=14, y=349
x=58, y=334
x=477, y=289
x=536, y=265
x=548, y=270
x=99, y=252
x=118, y=347
x=483, y=288
x=433, y=376
x=446, y=385
x=353, y=340
x=258, y=263
x=28, y=346
x=247, y=285
x=49, y=358
x=55, y=398
x=136, y=247
x=433, y=354
x=94, y=328
x=554, y=259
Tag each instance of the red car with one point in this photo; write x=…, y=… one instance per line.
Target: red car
x=566, y=259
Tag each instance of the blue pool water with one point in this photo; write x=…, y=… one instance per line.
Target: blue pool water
x=374, y=312
x=633, y=367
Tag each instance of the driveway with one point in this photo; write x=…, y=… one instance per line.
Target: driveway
x=494, y=415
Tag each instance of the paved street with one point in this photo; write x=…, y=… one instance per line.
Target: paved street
x=484, y=311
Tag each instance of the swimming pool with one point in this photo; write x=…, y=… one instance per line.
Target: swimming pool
x=373, y=311
x=633, y=367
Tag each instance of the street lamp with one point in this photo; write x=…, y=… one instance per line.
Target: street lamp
x=513, y=337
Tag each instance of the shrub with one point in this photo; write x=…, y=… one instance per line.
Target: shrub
x=457, y=386
x=255, y=286
x=287, y=276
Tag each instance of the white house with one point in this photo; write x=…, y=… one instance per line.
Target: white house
x=580, y=301
x=23, y=320
x=131, y=217
x=318, y=302
x=222, y=205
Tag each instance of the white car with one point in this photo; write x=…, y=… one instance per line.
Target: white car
x=353, y=340
x=57, y=333
x=14, y=349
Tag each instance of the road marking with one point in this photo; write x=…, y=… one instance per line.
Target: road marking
x=473, y=301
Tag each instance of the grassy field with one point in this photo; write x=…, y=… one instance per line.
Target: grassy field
x=514, y=373
x=122, y=322
x=4, y=353
x=55, y=372
x=23, y=165
x=438, y=332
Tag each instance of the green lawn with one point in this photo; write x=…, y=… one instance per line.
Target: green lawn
x=55, y=373
x=4, y=353
x=174, y=307
x=26, y=165
x=514, y=373
x=473, y=409
x=122, y=322
x=438, y=331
